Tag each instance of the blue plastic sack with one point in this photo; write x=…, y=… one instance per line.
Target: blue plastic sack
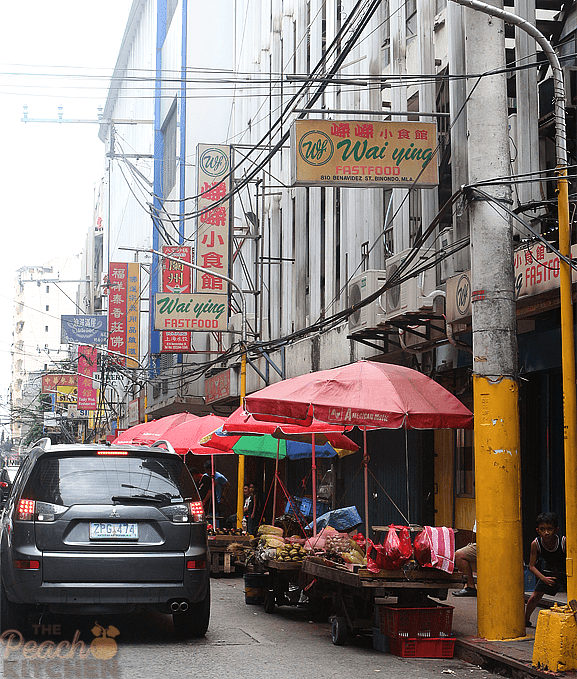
x=340, y=519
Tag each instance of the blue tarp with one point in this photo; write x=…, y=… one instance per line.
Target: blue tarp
x=340, y=519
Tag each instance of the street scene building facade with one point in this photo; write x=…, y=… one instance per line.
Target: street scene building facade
x=365, y=258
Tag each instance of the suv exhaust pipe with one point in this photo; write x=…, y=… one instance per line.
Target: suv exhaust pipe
x=179, y=606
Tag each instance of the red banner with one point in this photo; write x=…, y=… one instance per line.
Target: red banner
x=50, y=383
x=87, y=395
x=176, y=278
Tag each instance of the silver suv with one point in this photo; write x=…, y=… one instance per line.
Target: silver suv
x=98, y=529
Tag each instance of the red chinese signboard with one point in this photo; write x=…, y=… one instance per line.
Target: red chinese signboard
x=124, y=312
x=176, y=278
x=217, y=387
x=87, y=394
x=50, y=383
x=213, y=233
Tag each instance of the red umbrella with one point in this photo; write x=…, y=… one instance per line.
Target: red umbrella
x=150, y=432
x=367, y=394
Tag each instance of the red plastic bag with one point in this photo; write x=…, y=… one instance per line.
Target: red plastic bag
x=422, y=547
x=398, y=548
x=377, y=559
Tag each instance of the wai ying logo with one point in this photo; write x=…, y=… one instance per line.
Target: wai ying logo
x=65, y=659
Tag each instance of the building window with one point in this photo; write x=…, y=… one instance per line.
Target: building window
x=465, y=463
x=47, y=307
x=411, y=14
x=47, y=289
x=364, y=256
x=45, y=328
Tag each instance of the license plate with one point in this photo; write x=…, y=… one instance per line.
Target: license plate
x=114, y=531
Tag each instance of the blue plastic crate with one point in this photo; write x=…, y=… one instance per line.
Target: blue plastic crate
x=306, y=507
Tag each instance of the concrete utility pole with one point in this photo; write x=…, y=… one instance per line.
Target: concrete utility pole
x=500, y=608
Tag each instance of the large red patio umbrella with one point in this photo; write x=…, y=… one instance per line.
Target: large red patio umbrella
x=148, y=433
x=367, y=394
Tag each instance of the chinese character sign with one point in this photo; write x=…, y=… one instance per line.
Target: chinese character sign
x=50, y=383
x=176, y=278
x=363, y=153
x=85, y=328
x=214, y=221
x=124, y=312
x=87, y=394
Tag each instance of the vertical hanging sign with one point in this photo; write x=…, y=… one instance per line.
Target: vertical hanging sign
x=176, y=278
x=87, y=394
x=124, y=312
x=214, y=221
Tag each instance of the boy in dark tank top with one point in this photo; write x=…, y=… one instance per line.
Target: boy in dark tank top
x=547, y=561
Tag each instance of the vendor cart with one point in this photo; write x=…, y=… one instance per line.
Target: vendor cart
x=283, y=588
x=221, y=559
x=356, y=592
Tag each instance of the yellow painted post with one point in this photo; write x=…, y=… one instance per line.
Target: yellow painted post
x=500, y=609
x=240, y=471
x=555, y=647
x=569, y=395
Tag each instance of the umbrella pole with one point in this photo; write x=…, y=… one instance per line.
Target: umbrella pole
x=314, y=481
x=366, y=475
x=214, y=524
x=275, y=481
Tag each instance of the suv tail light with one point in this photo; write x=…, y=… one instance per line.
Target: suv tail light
x=185, y=512
x=31, y=510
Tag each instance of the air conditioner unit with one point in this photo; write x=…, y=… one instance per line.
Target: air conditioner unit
x=360, y=287
x=411, y=296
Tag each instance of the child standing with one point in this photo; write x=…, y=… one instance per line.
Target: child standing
x=548, y=550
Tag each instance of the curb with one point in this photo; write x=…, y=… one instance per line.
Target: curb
x=488, y=659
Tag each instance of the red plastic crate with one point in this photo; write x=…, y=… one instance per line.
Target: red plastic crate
x=422, y=648
x=416, y=623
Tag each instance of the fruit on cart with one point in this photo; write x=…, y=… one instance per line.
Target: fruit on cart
x=291, y=553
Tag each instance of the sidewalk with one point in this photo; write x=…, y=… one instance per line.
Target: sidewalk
x=515, y=656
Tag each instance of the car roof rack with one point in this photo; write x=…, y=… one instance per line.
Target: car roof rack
x=44, y=443
x=161, y=442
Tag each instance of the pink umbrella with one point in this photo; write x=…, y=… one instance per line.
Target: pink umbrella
x=150, y=432
x=367, y=394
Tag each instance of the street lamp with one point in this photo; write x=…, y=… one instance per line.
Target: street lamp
x=243, y=335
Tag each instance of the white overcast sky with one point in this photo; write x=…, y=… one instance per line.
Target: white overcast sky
x=49, y=172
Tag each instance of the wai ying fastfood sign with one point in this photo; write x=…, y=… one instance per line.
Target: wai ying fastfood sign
x=363, y=153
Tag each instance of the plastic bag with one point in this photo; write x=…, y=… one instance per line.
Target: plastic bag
x=377, y=559
x=398, y=548
x=422, y=548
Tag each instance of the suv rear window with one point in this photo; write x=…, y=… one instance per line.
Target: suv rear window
x=95, y=479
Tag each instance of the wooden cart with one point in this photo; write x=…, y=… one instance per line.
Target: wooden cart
x=283, y=587
x=221, y=560
x=355, y=594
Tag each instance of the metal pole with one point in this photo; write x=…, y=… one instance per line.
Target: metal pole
x=565, y=285
x=500, y=600
x=314, y=482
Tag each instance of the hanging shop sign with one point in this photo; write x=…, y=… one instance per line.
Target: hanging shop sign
x=84, y=329
x=217, y=387
x=215, y=216
x=206, y=313
x=50, y=383
x=536, y=272
x=176, y=278
x=363, y=153
x=124, y=312
x=87, y=365
x=133, y=412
